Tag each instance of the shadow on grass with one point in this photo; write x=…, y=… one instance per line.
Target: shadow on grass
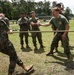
x=57, y=58
x=71, y=47
x=26, y=49
x=28, y=73
x=39, y=51
x=61, y=54
x=68, y=65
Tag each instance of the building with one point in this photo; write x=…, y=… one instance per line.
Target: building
x=4, y=0
x=15, y=1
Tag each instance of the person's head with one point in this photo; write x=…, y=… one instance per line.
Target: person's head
x=22, y=14
x=55, y=11
x=58, y=5
x=27, y=15
x=2, y=15
x=33, y=14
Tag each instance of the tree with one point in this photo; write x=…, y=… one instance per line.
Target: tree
x=68, y=11
x=54, y=4
x=6, y=8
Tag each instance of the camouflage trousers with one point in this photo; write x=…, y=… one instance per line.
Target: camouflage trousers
x=65, y=42
x=21, y=35
x=39, y=36
x=7, y=48
x=61, y=40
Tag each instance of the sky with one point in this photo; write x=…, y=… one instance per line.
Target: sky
x=67, y=3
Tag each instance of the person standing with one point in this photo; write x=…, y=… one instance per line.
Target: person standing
x=23, y=23
x=6, y=47
x=5, y=18
x=29, y=28
x=61, y=23
x=34, y=23
x=61, y=11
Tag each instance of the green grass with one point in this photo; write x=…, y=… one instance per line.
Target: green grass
x=43, y=65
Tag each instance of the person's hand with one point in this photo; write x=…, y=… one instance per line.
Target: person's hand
x=10, y=32
x=38, y=24
x=64, y=36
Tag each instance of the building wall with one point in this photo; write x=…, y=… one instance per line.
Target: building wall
x=15, y=1
x=4, y=0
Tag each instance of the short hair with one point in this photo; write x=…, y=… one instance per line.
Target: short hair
x=58, y=5
x=32, y=12
x=22, y=13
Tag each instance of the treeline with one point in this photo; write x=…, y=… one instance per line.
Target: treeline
x=12, y=10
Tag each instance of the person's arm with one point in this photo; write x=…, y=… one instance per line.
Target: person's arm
x=66, y=22
x=10, y=32
x=19, y=22
x=35, y=24
x=47, y=24
x=66, y=28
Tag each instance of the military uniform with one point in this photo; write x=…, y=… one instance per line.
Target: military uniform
x=60, y=23
x=36, y=34
x=28, y=24
x=23, y=23
x=7, y=47
x=6, y=20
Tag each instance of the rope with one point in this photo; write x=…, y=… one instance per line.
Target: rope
x=43, y=31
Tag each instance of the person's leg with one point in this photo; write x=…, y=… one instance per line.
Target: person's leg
x=39, y=36
x=54, y=44
x=21, y=40
x=66, y=48
x=10, y=51
x=26, y=40
x=34, y=40
x=56, y=47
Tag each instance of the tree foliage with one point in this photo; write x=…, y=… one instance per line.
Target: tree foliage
x=12, y=10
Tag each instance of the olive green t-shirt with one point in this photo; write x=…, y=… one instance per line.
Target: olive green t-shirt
x=59, y=23
x=34, y=20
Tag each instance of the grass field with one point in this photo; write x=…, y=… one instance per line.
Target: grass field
x=43, y=65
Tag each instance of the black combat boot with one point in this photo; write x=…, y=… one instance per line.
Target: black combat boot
x=56, y=50
x=50, y=53
x=42, y=46
x=22, y=47
x=27, y=46
x=35, y=48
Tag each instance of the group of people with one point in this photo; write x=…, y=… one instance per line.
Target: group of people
x=24, y=24
x=58, y=22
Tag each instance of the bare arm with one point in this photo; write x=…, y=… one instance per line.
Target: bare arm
x=64, y=35
x=67, y=28
x=47, y=24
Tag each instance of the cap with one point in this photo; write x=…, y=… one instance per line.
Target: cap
x=32, y=12
x=56, y=9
